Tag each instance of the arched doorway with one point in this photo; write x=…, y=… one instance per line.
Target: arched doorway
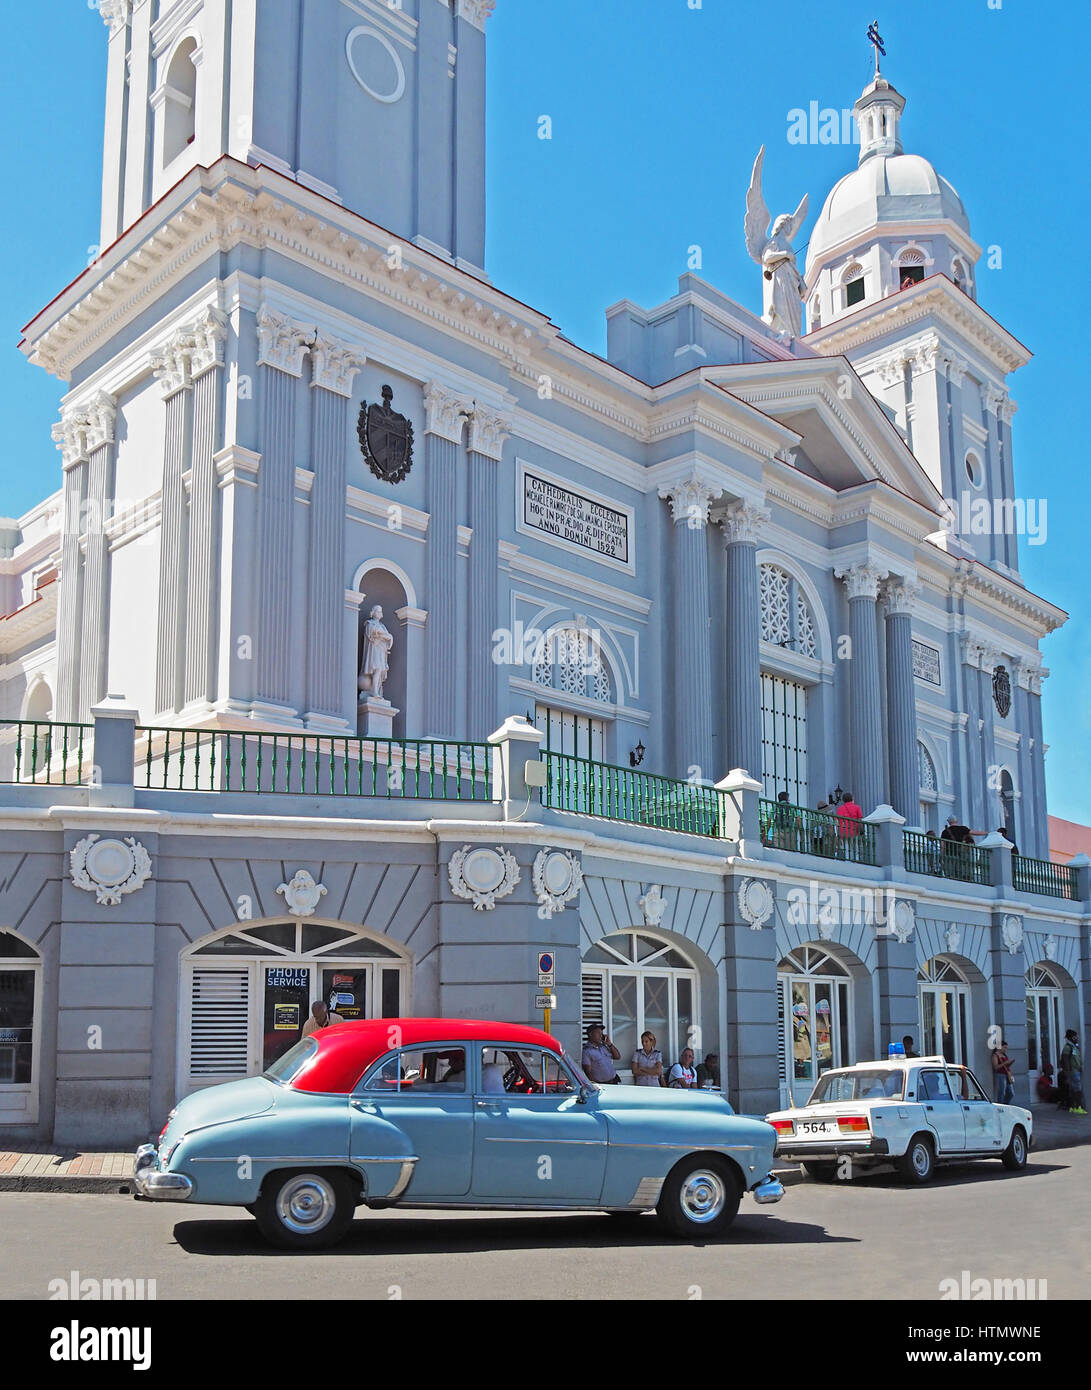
x=814, y=992
x=944, y=996
x=634, y=981
x=1045, y=1020
x=20, y=1029
x=247, y=992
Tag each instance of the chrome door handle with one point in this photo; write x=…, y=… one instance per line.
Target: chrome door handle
x=367, y=1105
x=485, y=1104
x=928, y=1107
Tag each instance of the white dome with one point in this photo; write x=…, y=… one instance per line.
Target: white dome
x=885, y=188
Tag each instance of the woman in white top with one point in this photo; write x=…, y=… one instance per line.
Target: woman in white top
x=647, y=1062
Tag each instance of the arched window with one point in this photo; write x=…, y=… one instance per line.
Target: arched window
x=816, y=313
x=910, y=268
x=247, y=992
x=35, y=744
x=634, y=982
x=929, y=787
x=1045, y=1012
x=20, y=1009
x=944, y=996
x=852, y=281
x=180, y=101
x=786, y=619
x=815, y=993
x=974, y=471
x=1007, y=805
x=961, y=277
x=570, y=662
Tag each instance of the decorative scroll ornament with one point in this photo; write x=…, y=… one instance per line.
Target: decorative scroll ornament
x=1011, y=933
x=386, y=439
x=653, y=905
x=110, y=868
x=1002, y=691
x=756, y=902
x=482, y=875
x=301, y=894
x=556, y=878
x=954, y=936
x=904, y=921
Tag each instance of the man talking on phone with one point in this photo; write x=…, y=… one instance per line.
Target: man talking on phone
x=599, y=1056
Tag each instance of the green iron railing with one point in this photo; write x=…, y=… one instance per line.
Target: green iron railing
x=51, y=754
x=623, y=794
x=803, y=831
x=1043, y=876
x=312, y=765
x=928, y=854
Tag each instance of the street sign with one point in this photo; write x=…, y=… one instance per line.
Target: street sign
x=547, y=967
x=545, y=1001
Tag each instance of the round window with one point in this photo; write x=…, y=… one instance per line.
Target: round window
x=974, y=471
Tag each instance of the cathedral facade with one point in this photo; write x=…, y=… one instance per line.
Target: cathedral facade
x=377, y=638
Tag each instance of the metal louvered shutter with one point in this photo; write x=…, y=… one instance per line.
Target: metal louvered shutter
x=219, y=1030
x=593, y=1008
x=782, y=1047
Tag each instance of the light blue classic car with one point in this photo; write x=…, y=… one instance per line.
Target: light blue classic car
x=451, y=1113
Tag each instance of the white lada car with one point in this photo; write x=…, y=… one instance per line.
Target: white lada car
x=913, y=1112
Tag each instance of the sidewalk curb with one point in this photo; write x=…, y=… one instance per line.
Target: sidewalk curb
x=40, y=1182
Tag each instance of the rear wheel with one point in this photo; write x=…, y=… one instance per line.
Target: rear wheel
x=1015, y=1155
x=700, y=1197
x=305, y=1211
x=918, y=1163
x=821, y=1172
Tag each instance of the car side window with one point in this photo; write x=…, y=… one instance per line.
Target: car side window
x=525, y=1071
x=933, y=1086
x=964, y=1084
x=416, y=1070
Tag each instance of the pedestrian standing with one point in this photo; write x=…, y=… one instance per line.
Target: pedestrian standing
x=599, y=1056
x=647, y=1063
x=1004, y=1087
x=1071, y=1067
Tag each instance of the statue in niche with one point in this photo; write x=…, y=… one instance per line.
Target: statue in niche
x=784, y=288
x=375, y=666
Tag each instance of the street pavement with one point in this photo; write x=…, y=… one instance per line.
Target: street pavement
x=871, y=1238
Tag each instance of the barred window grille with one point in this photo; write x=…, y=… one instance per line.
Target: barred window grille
x=784, y=738
x=786, y=618
x=571, y=662
x=926, y=769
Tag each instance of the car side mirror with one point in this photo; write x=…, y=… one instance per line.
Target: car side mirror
x=581, y=1098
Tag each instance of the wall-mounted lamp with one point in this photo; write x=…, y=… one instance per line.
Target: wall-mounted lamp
x=636, y=755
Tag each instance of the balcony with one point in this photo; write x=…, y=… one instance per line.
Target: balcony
x=803, y=831
x=927, y=854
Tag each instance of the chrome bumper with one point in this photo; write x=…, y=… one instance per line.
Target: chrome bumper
x=771, y=1190
x=154, y=1186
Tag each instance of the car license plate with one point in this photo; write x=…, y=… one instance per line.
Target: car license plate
x=817, y=1129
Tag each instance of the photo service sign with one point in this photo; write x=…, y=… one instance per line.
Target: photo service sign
x=575, y=520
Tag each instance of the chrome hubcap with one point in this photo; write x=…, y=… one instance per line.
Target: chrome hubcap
x=921, y=1159
x=1017, y=1148
x=306, y=1203
x=703, y=1195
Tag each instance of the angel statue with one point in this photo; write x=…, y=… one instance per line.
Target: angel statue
x=784, y=287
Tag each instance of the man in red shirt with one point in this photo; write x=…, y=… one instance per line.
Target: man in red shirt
x=848, y=822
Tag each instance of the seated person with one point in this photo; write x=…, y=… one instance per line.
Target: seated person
x=456, y=1070
x=1045, y=1087
x=492, y=1079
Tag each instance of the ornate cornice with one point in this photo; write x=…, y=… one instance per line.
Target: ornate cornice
x=742, y=523
x=488, y=430
x=281, y=342
x=862, y=581
x=334, y=364
x=444, y=412
x=689, y=499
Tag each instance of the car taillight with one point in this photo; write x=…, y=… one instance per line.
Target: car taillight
x=852, y=1124
x=782, y=1126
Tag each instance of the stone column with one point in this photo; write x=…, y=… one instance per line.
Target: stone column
x=1038, y=844
x=996, y=483
x=172, y=368
x=902, y=700
x=94, y=626
x=70, y=434
x=742, y=742
x=991, y=658
x=865, y=707
x=201, y=589
x=972, y=812
x=689, y=501
x=487, y=434
x=1009, y=996
x=334, y=367
x=282, y=347
x=413, y=628
x=445, y=413
x=1005, y=411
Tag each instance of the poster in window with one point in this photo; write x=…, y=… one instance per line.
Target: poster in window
x=285, y=1018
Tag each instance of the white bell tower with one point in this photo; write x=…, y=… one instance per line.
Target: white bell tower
x=375, y=104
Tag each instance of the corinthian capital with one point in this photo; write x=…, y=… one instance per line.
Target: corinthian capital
x=476, y=11
x=115, y=14
x=900, y=595
x=488, y=432
x=957, y=367
x=281, y=343
x=207, y=335
x=444, y=412
x=971, y=648
x=70, y=434
x=995, y=399
x=926, y=356
x=891, y=370
x=742, y=522
x=334, y=364
x=689, y=499
x=862, y=581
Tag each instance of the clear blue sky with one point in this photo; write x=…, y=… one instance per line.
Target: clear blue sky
x=657, y=112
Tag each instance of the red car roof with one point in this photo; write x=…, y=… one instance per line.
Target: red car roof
x=346, y=1050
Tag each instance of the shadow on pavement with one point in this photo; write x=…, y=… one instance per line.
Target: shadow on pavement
x=946, y=1175
x=376, y=1235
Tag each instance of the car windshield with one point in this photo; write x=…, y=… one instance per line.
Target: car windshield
x=881, y=1084
x=293, y=1061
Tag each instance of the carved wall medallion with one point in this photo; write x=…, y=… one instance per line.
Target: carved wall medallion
x=905, y=919
x=652, y=905
x=953, y=938
x=1011, y=933
x=386, y=439
x=110, y=868
x=482, y=875
x=556, y=877
x=302, y=894
x=756, y=902
x=1002, y=691
x=1051, y=947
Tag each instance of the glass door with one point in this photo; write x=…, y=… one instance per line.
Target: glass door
x=943, y=1023
x=1043, y=1030
x=286, y=1009
x=818, y=1010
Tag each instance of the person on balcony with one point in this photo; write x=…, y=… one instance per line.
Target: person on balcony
x=849, y=815
x=786, y=824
